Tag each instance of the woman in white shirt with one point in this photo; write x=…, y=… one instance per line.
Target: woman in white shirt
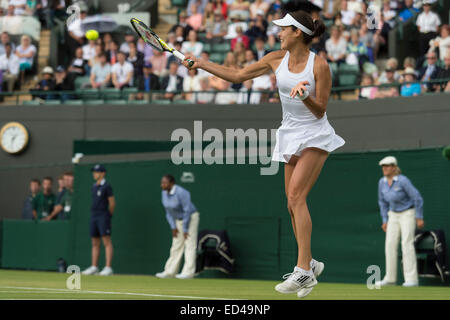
x=25, y=52
x=192, y=46
x=191, y=83
x=442, y=42
x=336, y=46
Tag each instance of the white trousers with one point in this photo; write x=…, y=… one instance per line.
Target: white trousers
x=401, y=225
x=187, y=246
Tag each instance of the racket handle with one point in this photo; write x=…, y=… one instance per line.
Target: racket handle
x=181, y=56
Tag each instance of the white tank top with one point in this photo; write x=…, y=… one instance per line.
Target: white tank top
x=295, y=112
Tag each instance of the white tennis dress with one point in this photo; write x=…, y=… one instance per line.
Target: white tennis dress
x=299, y=128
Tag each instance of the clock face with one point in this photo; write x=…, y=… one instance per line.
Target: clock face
x=13, y=137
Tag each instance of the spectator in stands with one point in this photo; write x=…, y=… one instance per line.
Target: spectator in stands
x=26, y=52
x=107, y=39
x=356, y=50
x=444, y=73
x=136, y=58
x=369, y=40
x=159, y=62
x=179, y=34
x=240, y=8
x=408, y=62
x=9, y=66
x=239, y=53
x=192, y=46
x=44, y=201
x=259, y=47
x=430, y=71
x=61, y=188
x=240, y=37
x=35, y=188
x=272, y=29
x=441, y=44
x=96, y=59
x=45, y=11
x=4, y=39
x=261, y=83
x=191, y=84
x=46, y=84
x=219, y=84
x=101, y=73
x=64, y=82
x=77, y=66
x=19, y=6
x=388, y=91
x=428, y=24
x=330, y=9
x=122, y=72
x=245, y=93
x=367, y=92
x=125, y=46
x=230, y=61
x=195, y=18
x=336, y=46
x=236, y=22
x=63, y=205
x=389, y=14
x=75, y=31
x=249, y=57
x=257, y=27
x=183, y=24
x=258, y=7
x=348, y=16
x=274, y=95
x=222, y=6
x=218, y=28
x=89, y=50
x=147, y=82
x=182, y=72
x=202, y=73
x=208, y=16
x=271, y=44
x=204, y=96
x=200, y=4
x=275, y=6
x=112, y=52
x=145, y=49
x=391, y=67
x=408, y=11
x=172, y=82
x=410, y=89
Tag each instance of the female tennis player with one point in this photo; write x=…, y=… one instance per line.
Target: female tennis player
x=305, y=137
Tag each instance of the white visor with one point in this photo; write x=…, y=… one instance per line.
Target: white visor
x=288, y=20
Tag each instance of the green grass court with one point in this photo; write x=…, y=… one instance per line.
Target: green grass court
x=52, y=285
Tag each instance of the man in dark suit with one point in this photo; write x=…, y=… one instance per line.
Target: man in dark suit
x=147, y=82
x=172, y=82
x=430, y=71
x=260, y=51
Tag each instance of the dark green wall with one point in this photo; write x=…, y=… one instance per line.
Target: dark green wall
x=252, y=208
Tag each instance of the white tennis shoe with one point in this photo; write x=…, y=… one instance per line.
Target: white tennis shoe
x=163, y=275
x=317, y=268
x=107, y=271
x=90, y=271
x=296, y=281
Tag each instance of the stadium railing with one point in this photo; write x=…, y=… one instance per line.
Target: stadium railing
x=128, y=95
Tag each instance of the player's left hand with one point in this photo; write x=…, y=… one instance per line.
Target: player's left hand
x=300, y=88
x=420, y=223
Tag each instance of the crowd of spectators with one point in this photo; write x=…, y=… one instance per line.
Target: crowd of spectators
x=247, y=28
x=42, y=203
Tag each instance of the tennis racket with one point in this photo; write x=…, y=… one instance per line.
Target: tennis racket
x=149, y=36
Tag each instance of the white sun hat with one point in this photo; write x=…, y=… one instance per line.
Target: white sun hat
x=389, y=160
x=288, y=20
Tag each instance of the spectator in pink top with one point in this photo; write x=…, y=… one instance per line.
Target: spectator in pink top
x=195, y=19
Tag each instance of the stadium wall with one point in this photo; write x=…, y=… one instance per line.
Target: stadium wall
x=394, y=123
x=252, y=208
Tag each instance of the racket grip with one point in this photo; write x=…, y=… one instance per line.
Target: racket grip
x=181, y=56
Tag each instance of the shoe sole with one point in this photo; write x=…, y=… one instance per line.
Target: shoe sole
x=311, y=285
x=304, y=292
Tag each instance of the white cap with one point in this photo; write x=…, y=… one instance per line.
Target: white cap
x=48, y=70
x=388, y=161
x=288, y=20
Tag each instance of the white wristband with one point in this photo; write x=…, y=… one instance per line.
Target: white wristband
x=304, y=96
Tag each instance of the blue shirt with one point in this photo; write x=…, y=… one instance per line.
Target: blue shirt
x=410, y=89
x=398, y=197
x=407, y=14
x=100, y=194
x=178, y=205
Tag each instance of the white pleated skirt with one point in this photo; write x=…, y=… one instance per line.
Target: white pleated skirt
x=293, y=140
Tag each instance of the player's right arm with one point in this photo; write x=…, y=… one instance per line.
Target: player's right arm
x=268, y=63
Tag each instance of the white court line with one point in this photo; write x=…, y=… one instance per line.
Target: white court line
x=111, y=292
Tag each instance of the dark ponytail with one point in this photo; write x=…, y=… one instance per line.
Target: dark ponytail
x=317, y=26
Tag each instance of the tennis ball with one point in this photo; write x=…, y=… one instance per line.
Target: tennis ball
x=92, y=34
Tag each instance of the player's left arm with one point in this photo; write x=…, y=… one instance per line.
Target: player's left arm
x=322, y=76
